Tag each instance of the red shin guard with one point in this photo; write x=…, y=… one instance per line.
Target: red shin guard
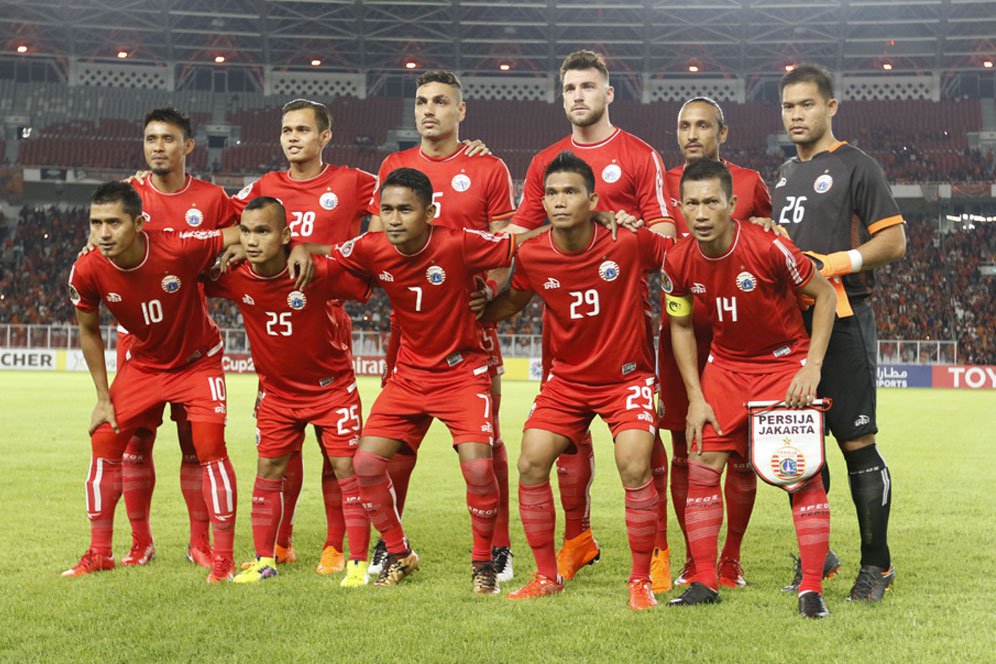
x=539, y=520
x=293, y=479
x=357, y=523
x=400, y=468
x=500, y=455
x=740, y=489
x=138, y=481
x=703, y=518
x=811, y=514
x=221, y=496
x=658, y=467
x=335, y=522
x=267, y=507
x=641, y=527
x=574, y=475
x=378, y=499
x=679, y=482
x=482, y=503
x=103, y=489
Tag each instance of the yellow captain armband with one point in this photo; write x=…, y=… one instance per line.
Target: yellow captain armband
x=678, y=307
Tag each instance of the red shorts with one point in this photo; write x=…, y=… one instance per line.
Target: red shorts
x=139, y=394
x=489, y=334
x=674, y=398
x=568, y=408
x=281, y=422
x=406, y=406
x=728, y=391
x=176, y=410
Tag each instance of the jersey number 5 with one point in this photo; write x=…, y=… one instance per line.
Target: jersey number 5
x=793, y=212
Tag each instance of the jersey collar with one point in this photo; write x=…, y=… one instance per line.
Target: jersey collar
x=185, y=187
x=591, y=146
x=733, y=245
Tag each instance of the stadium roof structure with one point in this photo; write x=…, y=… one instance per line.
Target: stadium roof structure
x=489, y=37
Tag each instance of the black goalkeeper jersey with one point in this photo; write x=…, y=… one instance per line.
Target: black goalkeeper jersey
x=835, y=202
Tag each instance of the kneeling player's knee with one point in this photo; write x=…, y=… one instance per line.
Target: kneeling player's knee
x=342, y=467
x=368, y=464
x=478, y=472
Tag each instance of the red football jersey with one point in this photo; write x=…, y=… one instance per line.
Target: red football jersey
x=429, y=291
x=629, y=176
x=753, y=198
x=593, y=304
x=468, y=192
x=158, y=301
x=199, y=205
x=325, y=209
x=749, y=293
x=291, y=336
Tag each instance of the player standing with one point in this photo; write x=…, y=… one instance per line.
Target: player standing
x=305, y=377
x=599, y=364
x=834, y=200
x=171, y=200
x=630, y=178
x=472, y=192
x=325, y=205
x=747, y=281
x=148, y=281
x=702, y=129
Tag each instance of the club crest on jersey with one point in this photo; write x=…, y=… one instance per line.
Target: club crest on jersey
x=248, y=300
x=611, y=173
x=346, y=248
x=608, y=270
x=194, y=217
x=435, y=275
x=550, y=284
x=171, y=283
x=746, y=282
x=788, y=463
x=328, y=200
x=113, y=297
x=666, y=284
x=460, y=182
x=296, y=300
x=823, y=183
x=246, y=190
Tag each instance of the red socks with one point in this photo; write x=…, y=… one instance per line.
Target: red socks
x=482, y=503
x=335, y=523
x=293, y=479
x=357, y=523
x=574, y=475
x=267, y=508
x=221, y=497
x=703, y=518
x=192, y=488
x=500, y=455
x=138, y=480
x=679, y=482
x=811, y=514
x=641, y=527
x=378, y=499
x=538, y=520
x=739, y=490
x=658, y=468
x=103, y=489
x=400, y=468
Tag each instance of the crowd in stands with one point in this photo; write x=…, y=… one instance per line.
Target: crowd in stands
x=936, y=292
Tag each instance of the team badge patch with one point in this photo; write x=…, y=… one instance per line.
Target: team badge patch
x=435, y=275
x=460, y=182
x=788, y=463
x=823, y=183
x=328, y=200
x=666, y=284
x=608, y=270
x=296, y=300
x=346, y=248
x=746, y=282
x=611, y=173
x=194, y=217
x=246, y=190
x=171, y=283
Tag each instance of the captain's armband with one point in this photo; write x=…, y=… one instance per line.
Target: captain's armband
x=678, y=306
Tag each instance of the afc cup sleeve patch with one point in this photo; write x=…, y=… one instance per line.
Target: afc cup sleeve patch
x=678, y=307
x=666, y=284
x=74, y=295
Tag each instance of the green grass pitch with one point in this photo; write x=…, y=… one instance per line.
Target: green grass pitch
x=938, y=444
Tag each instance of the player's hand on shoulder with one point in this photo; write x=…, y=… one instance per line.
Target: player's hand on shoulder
x=769, y=225
x=230, y=257
x=87, y=248
x=139, y=177
x=301, y=266
x=802, y=390
x=613, y=220
x=476, y=148
x=700, y=413
x=103, y=412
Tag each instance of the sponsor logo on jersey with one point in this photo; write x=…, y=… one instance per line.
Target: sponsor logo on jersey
x=487, y=428
x=781, y=352
x=296, y=300
x=248, y=299
x=645, y=417
x=698, y=288
x=435, y=275
x=194, y=217
x=781, y=183
x=385, y=276
x=246, y=190
x=325, y=382
x=862, y=420
x=74, y=295
x=171, y=283
x=346, y=248
x=220, y=409
x=608, y=270
x=823, y=183
x=112, y=297
x=788, y=463
x=328, y=200
x=611, y=173
x=746, y=282
x=666, y=284
x=628, y=368
x=460, y=182
x=550, y=284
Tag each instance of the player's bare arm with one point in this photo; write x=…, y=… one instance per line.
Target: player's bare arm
x=375, y=225
x=686, y=354
x=802, y=390
x=506, y=305
x=92, y=345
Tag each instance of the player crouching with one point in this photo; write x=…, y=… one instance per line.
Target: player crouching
x=601, y=365
x=747, y=280
x=305, y=377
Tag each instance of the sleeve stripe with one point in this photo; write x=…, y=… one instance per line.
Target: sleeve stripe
x=659, y=183
x=659, y=220
x=882, y=224
x=790, y=262
x=503, y=216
